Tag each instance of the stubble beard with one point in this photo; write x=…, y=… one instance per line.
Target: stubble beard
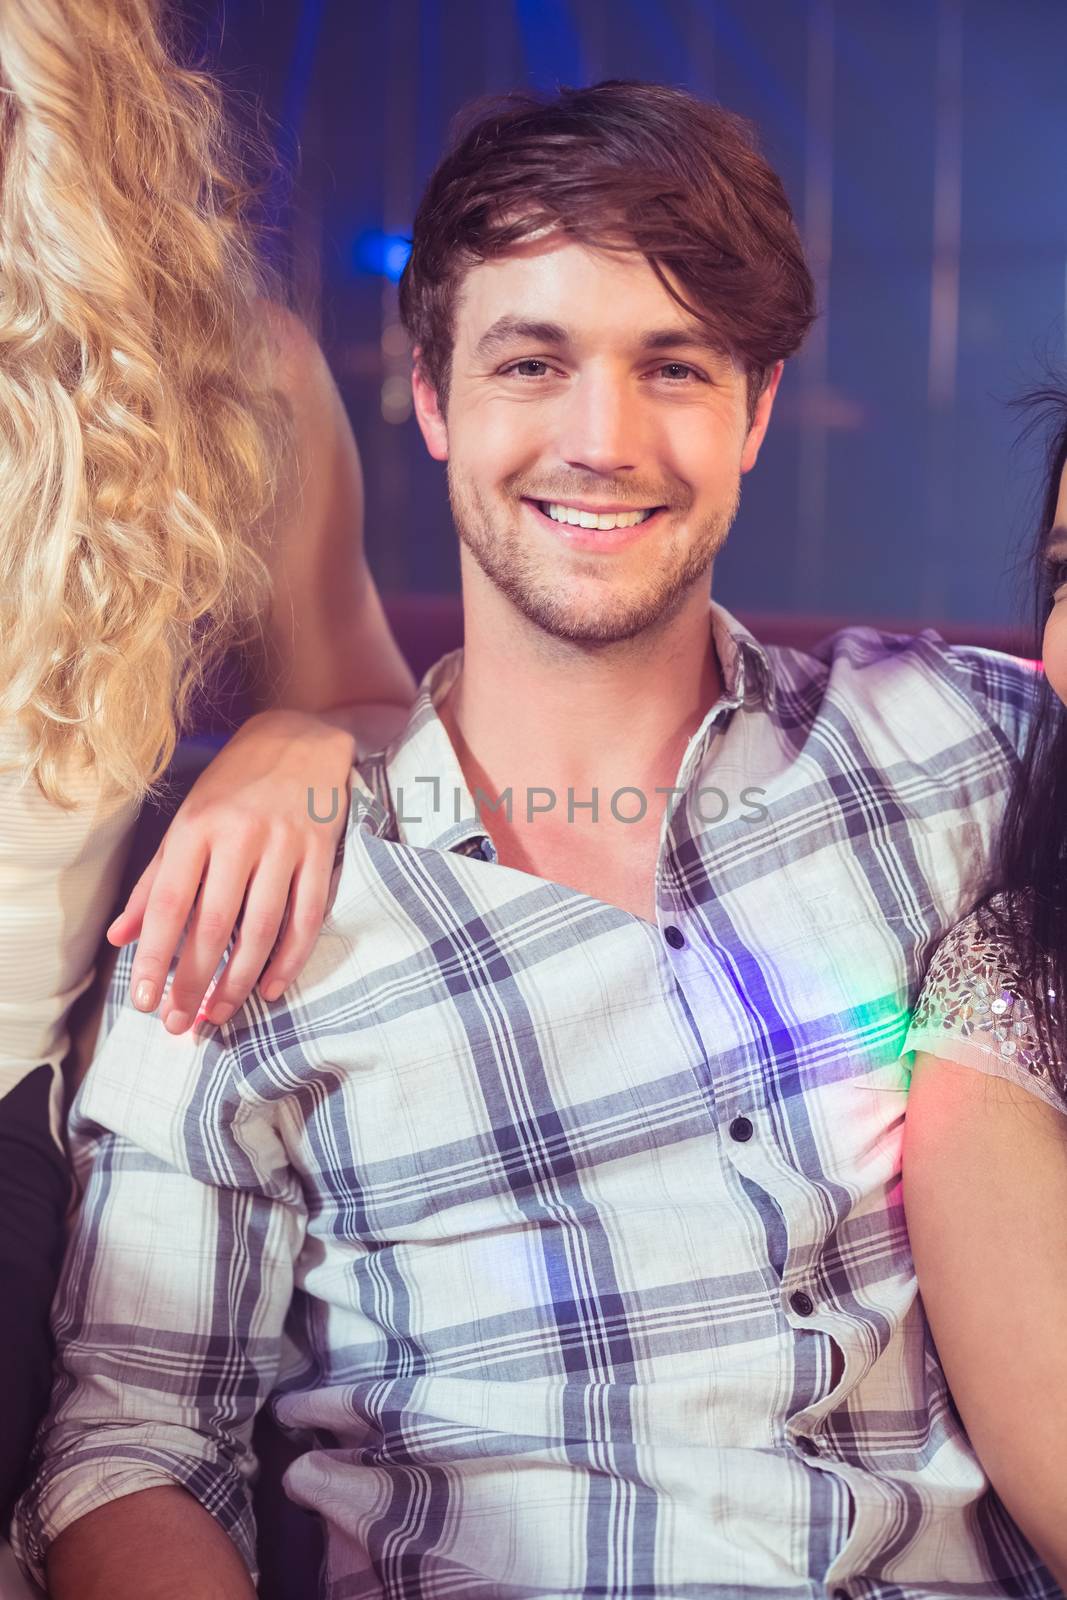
x=518, y=572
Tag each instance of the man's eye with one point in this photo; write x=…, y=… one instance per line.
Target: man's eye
x=678, y=371
x=522, y=368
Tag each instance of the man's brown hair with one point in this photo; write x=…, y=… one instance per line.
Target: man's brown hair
x=623, y=166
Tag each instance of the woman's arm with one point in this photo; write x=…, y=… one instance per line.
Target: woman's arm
x=257, y=835
x=328, y=643
x=985, y=1192
x=157, y=1544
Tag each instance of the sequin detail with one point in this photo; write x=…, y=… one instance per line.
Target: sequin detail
x=972, y=991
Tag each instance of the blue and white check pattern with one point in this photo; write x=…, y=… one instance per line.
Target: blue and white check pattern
x=578, y=1257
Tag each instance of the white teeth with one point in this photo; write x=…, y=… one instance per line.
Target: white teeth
x=603, y=521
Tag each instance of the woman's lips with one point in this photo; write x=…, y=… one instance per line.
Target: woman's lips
x=604, y=540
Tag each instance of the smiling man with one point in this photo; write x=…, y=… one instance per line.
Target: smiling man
x=596, y=428
x=558, y=1204
x=624, y=431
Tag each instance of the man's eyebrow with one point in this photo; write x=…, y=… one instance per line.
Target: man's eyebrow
x=508, y=330
x=675, y=338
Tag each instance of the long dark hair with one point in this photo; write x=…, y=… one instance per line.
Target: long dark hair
x=1027, y=897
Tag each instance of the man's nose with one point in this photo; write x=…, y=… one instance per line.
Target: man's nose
x=599, y=428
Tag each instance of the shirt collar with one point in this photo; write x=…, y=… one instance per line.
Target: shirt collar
x=745, y=664
x=414, y=790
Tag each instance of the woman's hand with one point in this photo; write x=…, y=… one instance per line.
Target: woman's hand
x=247, y=832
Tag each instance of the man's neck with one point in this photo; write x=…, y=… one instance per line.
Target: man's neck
x=530, y=708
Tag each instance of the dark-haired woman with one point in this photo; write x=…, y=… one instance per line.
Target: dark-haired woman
x=985, y=1144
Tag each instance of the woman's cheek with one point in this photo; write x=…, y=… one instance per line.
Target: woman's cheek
x=1054, y=649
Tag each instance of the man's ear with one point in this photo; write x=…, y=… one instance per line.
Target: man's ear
x=761, y=418
x=430, y=417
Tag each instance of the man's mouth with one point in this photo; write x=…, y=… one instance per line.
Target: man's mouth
x=604, y=520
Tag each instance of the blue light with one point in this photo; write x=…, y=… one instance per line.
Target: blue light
x=383, y=254
x=396, y=257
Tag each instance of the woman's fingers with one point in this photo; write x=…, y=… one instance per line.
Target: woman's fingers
x=243, y=833
x=127, y=925
x=170, y=896
x=263, y=874
x=269, y=891
x=307, y=898
x=310, y=893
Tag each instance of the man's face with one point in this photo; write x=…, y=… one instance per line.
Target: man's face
x=580, y=389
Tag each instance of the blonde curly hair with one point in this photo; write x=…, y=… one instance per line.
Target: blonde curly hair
x=140, y=429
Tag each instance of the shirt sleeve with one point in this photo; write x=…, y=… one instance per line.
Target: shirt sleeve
x=970, y=1010
x=169, y=1315
x=1003, y=687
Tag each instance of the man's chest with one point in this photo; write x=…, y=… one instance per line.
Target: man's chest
x=515, y=1025
x=610, y=858
x=512, y=1045
x=549, y=1107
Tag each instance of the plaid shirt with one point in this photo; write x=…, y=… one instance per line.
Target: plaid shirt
x=573, y=1241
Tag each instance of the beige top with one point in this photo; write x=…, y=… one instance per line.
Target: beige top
x=59, y=874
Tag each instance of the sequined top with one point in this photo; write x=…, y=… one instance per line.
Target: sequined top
x=970, y=1010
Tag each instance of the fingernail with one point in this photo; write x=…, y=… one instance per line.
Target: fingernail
x=220, y=1013
x=177, y=1022
x=273, y=989
x=144, y=997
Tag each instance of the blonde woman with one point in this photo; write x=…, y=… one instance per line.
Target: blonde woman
x=177, y=475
